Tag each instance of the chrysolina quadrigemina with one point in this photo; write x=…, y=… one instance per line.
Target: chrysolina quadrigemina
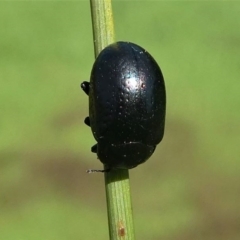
x=127, y=105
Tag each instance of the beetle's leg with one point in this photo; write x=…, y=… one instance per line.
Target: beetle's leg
x=87, y=121
x=94, y=148
x=85, y=87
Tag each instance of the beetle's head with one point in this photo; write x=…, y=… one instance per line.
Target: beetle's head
x=125, y=155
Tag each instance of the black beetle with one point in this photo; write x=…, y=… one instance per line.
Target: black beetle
x=127, y=105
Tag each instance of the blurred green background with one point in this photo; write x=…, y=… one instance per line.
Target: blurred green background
x=189, y=189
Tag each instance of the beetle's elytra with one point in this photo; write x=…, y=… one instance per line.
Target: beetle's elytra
x=127, y=105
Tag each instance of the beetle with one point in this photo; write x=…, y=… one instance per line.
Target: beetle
x=127, y=105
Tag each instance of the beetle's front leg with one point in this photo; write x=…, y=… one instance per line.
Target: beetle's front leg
x=94, y=148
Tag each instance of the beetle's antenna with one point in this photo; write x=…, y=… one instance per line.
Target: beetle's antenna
x=98, y=170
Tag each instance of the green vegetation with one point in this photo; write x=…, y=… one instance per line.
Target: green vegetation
x=189, y=189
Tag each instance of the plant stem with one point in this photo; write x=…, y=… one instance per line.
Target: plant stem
x=120, y=219
x=102, y=23
x=118, y=195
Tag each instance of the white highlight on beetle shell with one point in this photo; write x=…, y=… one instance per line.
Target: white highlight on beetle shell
x=132, y=82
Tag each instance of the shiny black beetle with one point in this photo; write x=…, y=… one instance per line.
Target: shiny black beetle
x=127, y=104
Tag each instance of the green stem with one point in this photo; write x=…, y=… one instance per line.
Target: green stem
x=102, y=22
x=118, y=195
x=120, y=219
